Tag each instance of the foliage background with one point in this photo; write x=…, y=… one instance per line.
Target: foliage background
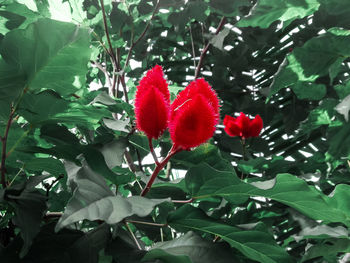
x=74, y=164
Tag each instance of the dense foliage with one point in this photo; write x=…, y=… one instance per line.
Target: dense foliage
x=73, y=163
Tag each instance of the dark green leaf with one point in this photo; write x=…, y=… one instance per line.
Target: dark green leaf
x=254, y=243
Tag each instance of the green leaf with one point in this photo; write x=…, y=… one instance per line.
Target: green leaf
x=309, y=90
x=343, y=107
x=218, y=40
x=311, y=61
x=117, y=125
x=29, y=205
x=253, y=243
x=343, y=90
x=339, y=140
x=49, y=107
x=189, y=248
x=331, y=247
x=98, y=163
x=50, y=165
x=227, y=8
x=54, y=55
x=93, y=200
x=265, y=12
x=205, y=182
x=68, y=245
x=15, y=15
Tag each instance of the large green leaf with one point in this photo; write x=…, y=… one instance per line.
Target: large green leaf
x=204, y=181
x=189, y=248
x=313, y=60
x=266, y=12
x=29, y=205
x=93, y=200
x=253, y=243
x=54, y=56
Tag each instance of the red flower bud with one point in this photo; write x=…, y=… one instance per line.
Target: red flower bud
x=152, y=101
x=199, y=86
x=194, y=114
x=243, y=126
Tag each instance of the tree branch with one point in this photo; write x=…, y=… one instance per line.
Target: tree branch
x=205, y=49
x=193, y=51
x=103, y=70
x=52, y=184
x=132, y=45
x=110, y=52
x=146, y=223
x=133, y=236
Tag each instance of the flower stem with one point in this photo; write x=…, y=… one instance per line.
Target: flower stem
x=244, y=153
x=152, y=151
x=158, y=168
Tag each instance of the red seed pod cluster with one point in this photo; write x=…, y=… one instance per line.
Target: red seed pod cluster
x=193, y=115
x=243, y=126
x=152, y=102
x=191, y=118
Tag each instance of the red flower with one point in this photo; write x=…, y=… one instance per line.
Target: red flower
x=193, y=115
x=243, y=126
x=152, y=101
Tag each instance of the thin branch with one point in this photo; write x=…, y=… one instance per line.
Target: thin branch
x=193, y=51
x=205, y=49
x=53, y=183
x=133, y=236
x=4, y=153
x=110, y=51
x=101, y=43
x=130, y=161
x=52, y=215
x=146, y=223
x=168, y=171
x=139, y=160
x=152, y=151
x=132, y=45
x=148, y=23
x=183, y=201
x=103, y=70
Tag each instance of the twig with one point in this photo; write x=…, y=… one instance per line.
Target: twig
x=183, y=201
x=133, y=236
x=145, y=223
x=52, y=184
x=110, y=51
x=132, y=45
x=244, y=154
x=100, y=41
x=152, y=151
x=139, y=160
x=4, y=153
x=205, y=49
x=130, y=161
x=168, y=170
x=49, y=215
x=102, y=68
x=193, y=51
x=158, y=168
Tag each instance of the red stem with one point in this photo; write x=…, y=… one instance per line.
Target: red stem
x=205, y=49
x=152, y=151
x=159, y=167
